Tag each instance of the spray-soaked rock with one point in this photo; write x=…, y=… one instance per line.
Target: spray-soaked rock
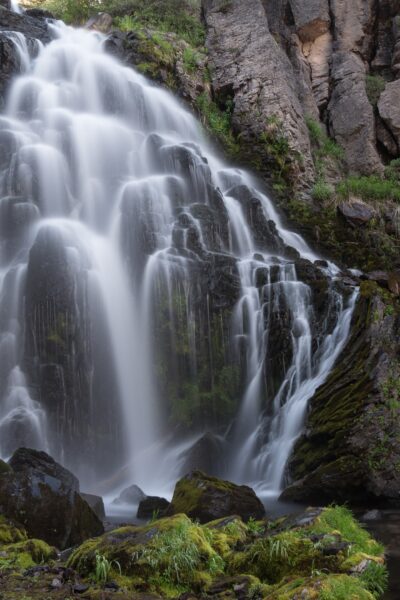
x=44, y=497
x=207, y=498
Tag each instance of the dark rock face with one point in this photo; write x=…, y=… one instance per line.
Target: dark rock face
x=96, y=504
x=151, y=506
x=356, y=214
x=350, y=449
x=208, y=454
x=207, y=498
x=44, y=497
x=131, y=495
x=28, y=25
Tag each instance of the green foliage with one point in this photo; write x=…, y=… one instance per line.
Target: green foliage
x=369, y=187
x=322, y=191
x=190, y=59
x=324, y=145
x=314, y=130
x=344, y=587
x=103, y=568
x=392, y=171
x=218, y=122
x=375, y=578
x=255, y=527
x=374, y=85
x=340, y=518
x=71, y=11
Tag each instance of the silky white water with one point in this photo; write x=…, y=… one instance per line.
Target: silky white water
x=110, y=176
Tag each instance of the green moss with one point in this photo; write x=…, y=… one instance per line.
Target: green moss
x=28, y=553
x=341, y=519
x=10, y=533
x=344, y=587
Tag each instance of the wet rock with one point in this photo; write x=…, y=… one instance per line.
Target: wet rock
x=207, y=498
x=101, y=22
x=381, y=277
x=356, y=214
x=151, y=506
x=372, y=515
x=131, y=495
x=44, y=497
x=39, y=13
x=28, y=25
x=96, y=504
x=80, y=588
x=207, y=455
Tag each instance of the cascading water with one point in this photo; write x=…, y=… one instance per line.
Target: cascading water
x=149, y=293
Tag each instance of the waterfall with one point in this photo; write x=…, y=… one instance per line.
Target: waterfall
x=149, y=293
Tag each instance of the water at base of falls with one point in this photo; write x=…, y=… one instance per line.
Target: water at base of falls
x=150, y=294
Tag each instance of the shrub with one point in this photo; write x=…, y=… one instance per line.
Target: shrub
x=321, y=191
x=374, y=85
x=375, y=578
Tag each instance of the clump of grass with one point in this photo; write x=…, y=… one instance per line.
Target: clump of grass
x=255, y=527
x=324, y=145
x=340, y=518
x=344, y=587
x=375, y=578
x=392, y=171
x=374, y=85
x=190, y=59
x=322, y=191
x=218, y=122
x=103, y=568
x=370, y=187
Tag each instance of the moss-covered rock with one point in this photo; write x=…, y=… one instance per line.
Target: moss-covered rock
x=320, y=551
x=351, y=448
x=208, y=498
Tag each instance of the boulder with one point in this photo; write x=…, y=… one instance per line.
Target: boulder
x=152, y=506
x=44, y=497
x=389, y=108
x=207, y=498
x=131, y=495
x=206, y=454
x=356, y=214
x=394, y=283
x=101, y=22
x=96, y=504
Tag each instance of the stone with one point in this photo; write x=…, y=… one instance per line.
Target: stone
x=152, y=506
x=130, y=495
x=311, y=18
x=101, y=22
x=44, y=497
x=381, y=277
x=356, y=214
x=207, y=498
x=389, y=108
x=394, y=283
x=96, y=504
x=372, y=515
x=207, y=454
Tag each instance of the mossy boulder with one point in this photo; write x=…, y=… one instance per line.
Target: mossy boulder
x=28, y=553
x=44, y=497
x=207, y=498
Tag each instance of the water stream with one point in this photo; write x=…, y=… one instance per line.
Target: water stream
x=126, y=245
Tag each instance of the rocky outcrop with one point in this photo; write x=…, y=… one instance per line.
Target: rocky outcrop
x=250, y=70
x=206, y=498
x=152, y=507
x=389, y=109
x=44, y=497
x=350, y=449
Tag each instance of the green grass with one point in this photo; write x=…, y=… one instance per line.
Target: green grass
x=344, y=587
x=190, y=59
x=370, y=187
x=340, y=518
x=374, y=85
x=218, y=122
x=392, y=171
x=324, y=145
x=375, y=578
x=321, y=191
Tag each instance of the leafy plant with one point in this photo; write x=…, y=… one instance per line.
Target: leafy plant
x=375, y=578
x=374, y=85
x=255, y=527
x=322, y=191
x=103, y=568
